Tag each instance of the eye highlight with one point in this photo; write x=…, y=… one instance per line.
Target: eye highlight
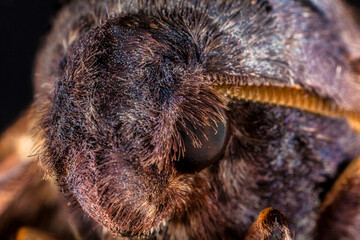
x=212, y=139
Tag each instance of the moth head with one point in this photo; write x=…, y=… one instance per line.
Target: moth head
x=131, y=118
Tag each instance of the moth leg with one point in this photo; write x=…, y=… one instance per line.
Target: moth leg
x=270, y=224
x=25, y=233
x=340, y=212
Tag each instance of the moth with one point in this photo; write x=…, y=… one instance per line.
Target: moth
x=189, y=119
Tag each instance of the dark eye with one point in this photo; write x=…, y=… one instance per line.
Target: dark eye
x=211, y=149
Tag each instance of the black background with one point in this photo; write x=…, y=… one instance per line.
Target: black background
x=22, y=23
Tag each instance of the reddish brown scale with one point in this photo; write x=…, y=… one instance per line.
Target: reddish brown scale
x=270, y=224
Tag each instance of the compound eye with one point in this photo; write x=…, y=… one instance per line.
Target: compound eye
x=213, y=140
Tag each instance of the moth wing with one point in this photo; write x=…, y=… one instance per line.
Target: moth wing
x=18, y=169
x=340, y=212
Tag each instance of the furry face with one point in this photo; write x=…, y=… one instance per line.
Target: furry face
x=140, y=136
